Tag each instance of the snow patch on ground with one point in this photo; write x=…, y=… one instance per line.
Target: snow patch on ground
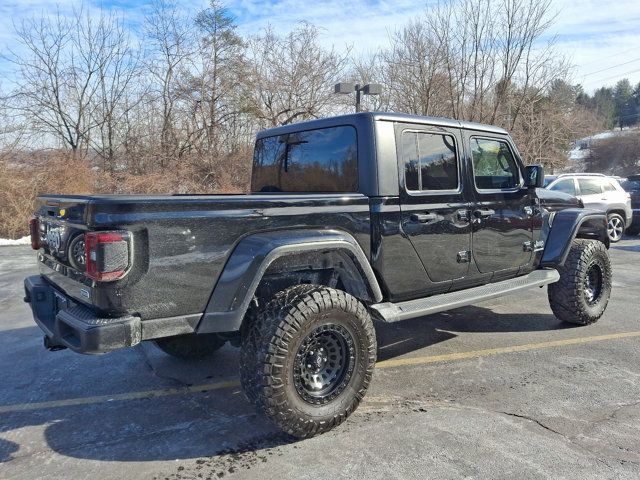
x=603, y=135
x=20, y=241
x=576, y=160
x=582, y=148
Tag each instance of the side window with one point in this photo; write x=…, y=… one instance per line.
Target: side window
x=590, y=186
x=566, y=186
x=607, y=186
x=322, y=160
x=430, y=161
x=494, y=166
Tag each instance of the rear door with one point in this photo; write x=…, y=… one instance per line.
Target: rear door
x=434, y=208
x=501, y=212
x=591, y=193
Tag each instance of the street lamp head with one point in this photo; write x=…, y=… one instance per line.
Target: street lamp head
x=344, y=88
x=372, y=89
x=368, y=89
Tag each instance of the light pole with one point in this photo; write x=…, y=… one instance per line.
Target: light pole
x=368, y=89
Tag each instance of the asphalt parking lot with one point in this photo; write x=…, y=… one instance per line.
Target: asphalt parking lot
x=497, y=390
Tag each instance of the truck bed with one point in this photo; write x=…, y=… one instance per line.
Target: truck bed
x=180, y=242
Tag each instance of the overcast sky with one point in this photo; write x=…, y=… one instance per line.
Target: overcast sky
x=602, y=38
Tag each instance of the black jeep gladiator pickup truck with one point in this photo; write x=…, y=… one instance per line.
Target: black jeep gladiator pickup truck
x=372, y=215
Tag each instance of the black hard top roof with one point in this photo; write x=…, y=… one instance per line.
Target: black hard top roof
x=356, y=118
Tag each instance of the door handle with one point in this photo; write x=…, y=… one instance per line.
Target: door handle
x=423, y=217
x=463, y=215
x=487, y=212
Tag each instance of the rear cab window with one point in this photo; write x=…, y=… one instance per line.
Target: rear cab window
x=321, y=160
x=494, y=165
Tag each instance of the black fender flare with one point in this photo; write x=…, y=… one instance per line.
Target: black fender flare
x=252, y=257
x=568, y=224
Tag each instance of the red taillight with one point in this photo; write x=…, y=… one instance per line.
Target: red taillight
x=35, y=233
x=107, y=255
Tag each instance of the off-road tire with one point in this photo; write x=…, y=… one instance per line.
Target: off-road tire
x=272, y=341
x=191, y=346
x=615, y=227
x=568, y=297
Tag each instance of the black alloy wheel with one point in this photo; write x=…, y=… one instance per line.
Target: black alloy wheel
x=324, y=364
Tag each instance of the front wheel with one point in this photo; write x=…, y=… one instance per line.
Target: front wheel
x=582, y=293
x=615, y=227
x=307, y=358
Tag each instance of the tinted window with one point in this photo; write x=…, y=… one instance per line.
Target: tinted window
x=590, y=186
x=430, y=161
x=566, y=186
x=323, y=160
x=493, y=164
x=411, y=162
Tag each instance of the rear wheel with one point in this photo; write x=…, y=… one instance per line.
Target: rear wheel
x=191, y=346
x=582, y=293
x=307, y=358
x=615, y=227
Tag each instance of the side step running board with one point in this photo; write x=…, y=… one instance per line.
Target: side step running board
x=393, y=312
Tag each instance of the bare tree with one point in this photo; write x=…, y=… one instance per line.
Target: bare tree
x=12, y=129
x=170, y=45
x=62, y=65
x=292, y=76
x=213, y=77
x=117, y=94
x=414, y=70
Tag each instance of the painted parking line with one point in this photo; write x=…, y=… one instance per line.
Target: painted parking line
x=400, y=362
x=165, y=392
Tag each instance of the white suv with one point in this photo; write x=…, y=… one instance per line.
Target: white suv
x=599, y=192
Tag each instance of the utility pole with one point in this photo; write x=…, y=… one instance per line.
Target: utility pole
x=344, y=88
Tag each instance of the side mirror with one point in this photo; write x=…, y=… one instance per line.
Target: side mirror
x=534, y=176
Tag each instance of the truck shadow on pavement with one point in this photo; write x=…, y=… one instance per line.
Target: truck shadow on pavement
x=396, y=339
x=217, y=427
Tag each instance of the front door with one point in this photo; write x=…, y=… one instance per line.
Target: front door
x=501, y=213
x=435, y=212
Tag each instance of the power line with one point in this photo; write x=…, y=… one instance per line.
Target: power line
x=620, y=75
x=612, y=66
x=611, y=56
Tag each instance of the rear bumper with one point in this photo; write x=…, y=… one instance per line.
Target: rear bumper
x=67, y=323
x=72, y=325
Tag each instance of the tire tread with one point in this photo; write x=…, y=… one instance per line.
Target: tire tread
x=265, y=346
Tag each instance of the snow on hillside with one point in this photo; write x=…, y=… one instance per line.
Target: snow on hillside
x=20, y=241
x=582, y=148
